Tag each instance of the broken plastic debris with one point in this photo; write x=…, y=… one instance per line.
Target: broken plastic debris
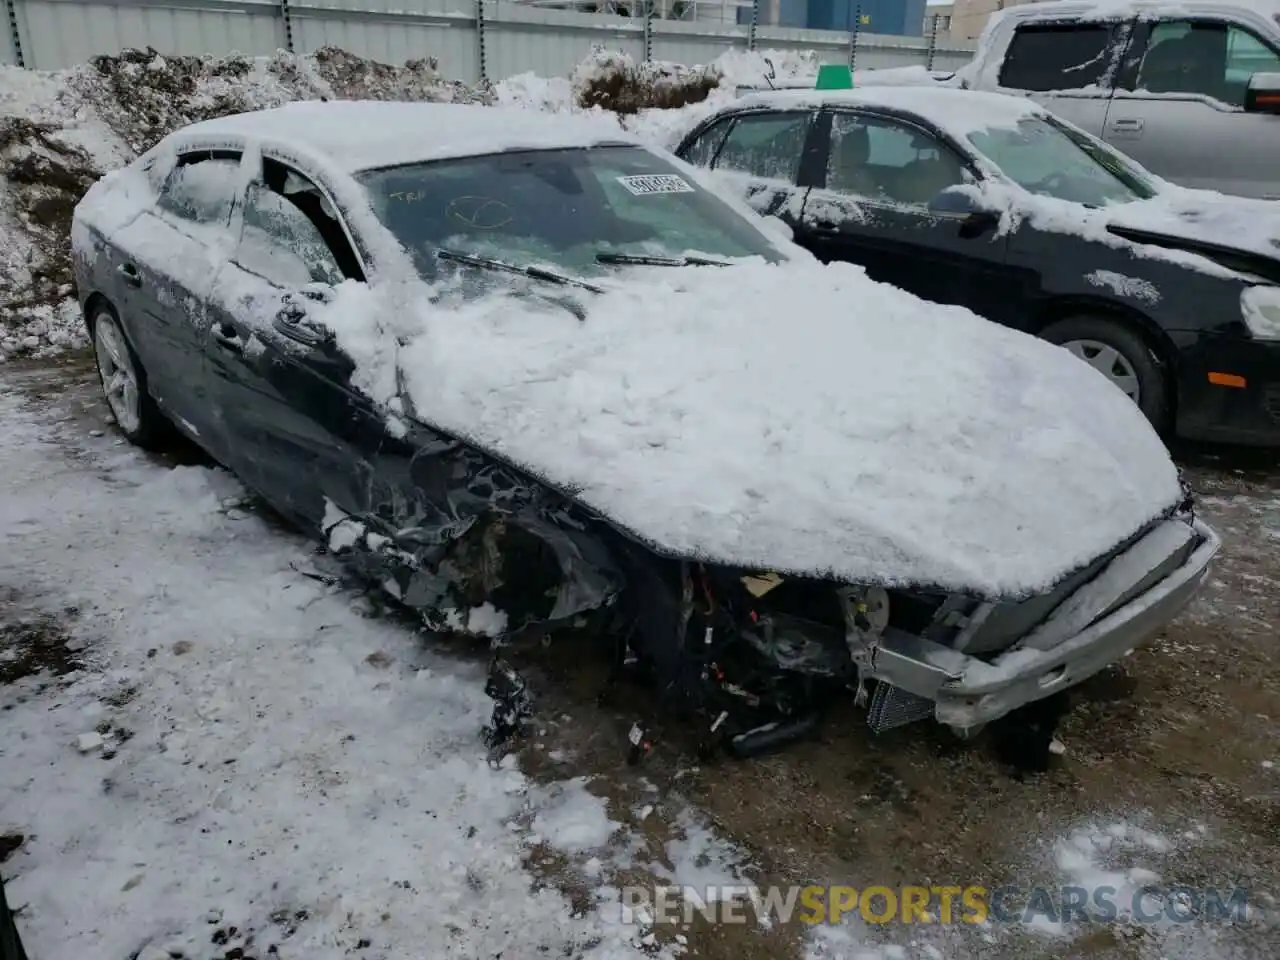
x=88, y=742
x=1057, y=747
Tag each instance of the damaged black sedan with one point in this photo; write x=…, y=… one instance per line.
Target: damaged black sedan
x=532, y=376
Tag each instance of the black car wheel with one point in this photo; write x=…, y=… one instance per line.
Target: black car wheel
x=124, y=383
x=10, y=942
x=1122, y=356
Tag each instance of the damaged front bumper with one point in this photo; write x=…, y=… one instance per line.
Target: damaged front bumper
x=1137, y=593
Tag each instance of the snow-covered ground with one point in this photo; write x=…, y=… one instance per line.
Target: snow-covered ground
x=245, y=757
x=243, y=748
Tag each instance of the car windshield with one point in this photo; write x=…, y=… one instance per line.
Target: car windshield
x=1052, y=160
x=582, y=211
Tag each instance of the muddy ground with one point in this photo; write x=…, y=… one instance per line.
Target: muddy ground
x=1182, y=737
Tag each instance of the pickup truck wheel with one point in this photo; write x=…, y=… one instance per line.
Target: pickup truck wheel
x=124, y=383
x=1122, y=356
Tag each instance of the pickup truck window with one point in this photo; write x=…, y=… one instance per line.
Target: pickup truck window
x=1059, y=56
x=1204, y=57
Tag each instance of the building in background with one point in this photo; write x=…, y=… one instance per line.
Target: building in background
x=967, y=18
x=900, y=17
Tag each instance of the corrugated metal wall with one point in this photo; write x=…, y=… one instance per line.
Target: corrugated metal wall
x=510, y=38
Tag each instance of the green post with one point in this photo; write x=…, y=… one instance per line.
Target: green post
x=834, y=76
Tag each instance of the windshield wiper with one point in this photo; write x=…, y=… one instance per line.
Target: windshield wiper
x=534, y=273
x=617, y=259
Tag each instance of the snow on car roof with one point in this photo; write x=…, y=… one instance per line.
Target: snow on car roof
x=959, y=112
x=359, y=135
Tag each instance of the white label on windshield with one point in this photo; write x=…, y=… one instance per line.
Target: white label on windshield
x=656, y=183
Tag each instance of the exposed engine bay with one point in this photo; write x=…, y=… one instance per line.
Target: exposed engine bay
x=753, y=658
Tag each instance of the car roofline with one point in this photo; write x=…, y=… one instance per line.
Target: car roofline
x=494, y=153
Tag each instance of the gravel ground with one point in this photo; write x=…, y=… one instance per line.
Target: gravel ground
x=1181, y=741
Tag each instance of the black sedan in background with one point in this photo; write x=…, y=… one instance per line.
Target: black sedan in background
x=989, y=202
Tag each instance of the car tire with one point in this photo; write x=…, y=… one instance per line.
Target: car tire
x=1122, y=355
x=10, y=942
x=124, y=382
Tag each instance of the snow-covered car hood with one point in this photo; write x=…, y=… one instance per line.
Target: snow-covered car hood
x=1205, y=217
x=799, y=418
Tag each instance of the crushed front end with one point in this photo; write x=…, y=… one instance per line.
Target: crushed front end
x=759, y=657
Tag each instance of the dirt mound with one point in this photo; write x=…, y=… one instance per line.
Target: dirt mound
x=143, y=95
x=135, y=99
x=46, y=176
x=614, y=81
x=355, y=78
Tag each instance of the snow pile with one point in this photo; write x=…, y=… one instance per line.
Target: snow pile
x=60, y=131
x=247, y=766
x=684, y=409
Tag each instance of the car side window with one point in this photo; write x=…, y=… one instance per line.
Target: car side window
x=201, y=187
x=278, y=242
x=1209, y=58
x=1059, y=56
x=767, y=145
x=875, y=158
x=703, y=149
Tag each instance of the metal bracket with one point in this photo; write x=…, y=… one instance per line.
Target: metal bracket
x=11, y=8
x=480, y=49
x=288, y=25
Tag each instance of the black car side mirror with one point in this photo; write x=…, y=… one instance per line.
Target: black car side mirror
x=956, y=200
x=294, y=321
x=1263, y=93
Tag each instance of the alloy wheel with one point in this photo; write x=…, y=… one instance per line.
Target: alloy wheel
x=119, y=378
x=1110, y=362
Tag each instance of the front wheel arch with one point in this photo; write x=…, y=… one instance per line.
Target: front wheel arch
x=1162, y=410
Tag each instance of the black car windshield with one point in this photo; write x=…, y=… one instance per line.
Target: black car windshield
x=582, y=211
x=1047, y=158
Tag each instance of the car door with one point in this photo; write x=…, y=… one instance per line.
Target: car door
x=1069, y=67
x=292, y=425
x=759, y=155
x=1179, y=109
x=167, y=259
x=872, y=206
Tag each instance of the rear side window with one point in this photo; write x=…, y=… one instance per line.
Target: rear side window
x=1053, y=56
x=767, y=145
x=201, y=187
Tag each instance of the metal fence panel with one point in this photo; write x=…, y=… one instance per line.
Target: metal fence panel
x=61, y=33
x=551, y=43
x=509, y=39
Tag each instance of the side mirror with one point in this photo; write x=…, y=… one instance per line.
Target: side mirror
x=957, y=200
x=1263, y=93
x=294, y=322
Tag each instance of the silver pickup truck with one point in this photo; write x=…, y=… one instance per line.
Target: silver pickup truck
x=1188, y=88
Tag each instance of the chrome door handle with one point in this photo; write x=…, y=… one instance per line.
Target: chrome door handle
x=1127, y=125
